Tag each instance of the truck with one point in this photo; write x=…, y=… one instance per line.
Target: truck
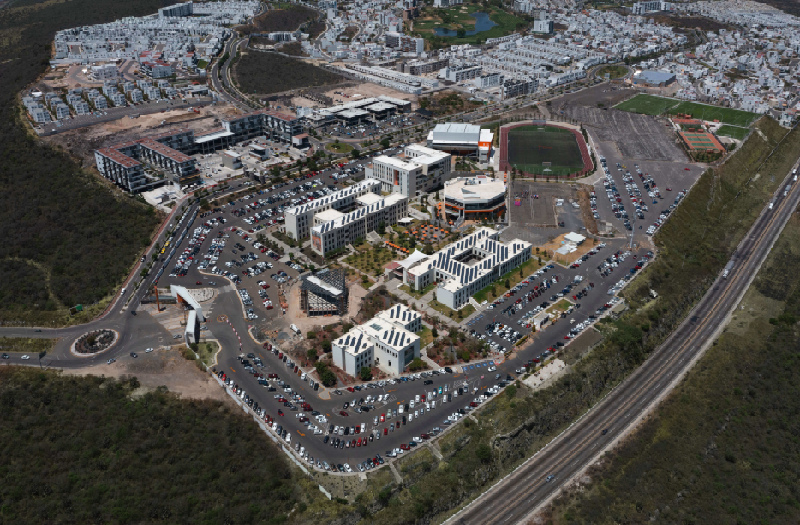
x=727, y=270
x=295, y=329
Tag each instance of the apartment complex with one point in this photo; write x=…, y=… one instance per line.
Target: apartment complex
x=123, y=163
x=387, y=341
x=418, y=171
x=299, y=219
x=333, y=229
x=464, y=267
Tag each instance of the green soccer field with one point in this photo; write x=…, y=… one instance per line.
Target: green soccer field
x=647, y=105
x=734, y=117
x=530, y=146
x=652, y=105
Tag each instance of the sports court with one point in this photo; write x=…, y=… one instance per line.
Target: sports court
x=540, y=149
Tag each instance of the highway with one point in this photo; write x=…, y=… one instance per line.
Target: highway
x=515, y=497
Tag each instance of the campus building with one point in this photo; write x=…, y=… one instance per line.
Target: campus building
x=418, y=171
x=463, y=268
x=333, y=230
x=122, y=163
x=475, y=198
x=300, y=218
x=325, y=293
x=462, y=139
x=387, y=341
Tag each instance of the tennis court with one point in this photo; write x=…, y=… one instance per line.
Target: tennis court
x=531, y=148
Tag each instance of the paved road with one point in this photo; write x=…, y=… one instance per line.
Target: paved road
x=111, y=114
x=513, y=499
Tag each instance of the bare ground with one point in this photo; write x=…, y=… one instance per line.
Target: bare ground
x=161, y=368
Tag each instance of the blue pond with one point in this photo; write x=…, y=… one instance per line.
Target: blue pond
x=482, y=23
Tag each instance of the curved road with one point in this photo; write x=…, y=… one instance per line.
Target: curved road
x=514, y=498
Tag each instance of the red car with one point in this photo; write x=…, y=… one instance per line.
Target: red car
x=198, y=283
x=686, y=169
x=280, y=412
x=385, y=431
x=342, y=413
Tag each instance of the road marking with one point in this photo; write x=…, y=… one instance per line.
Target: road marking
x=300, y=433
x=233, y=370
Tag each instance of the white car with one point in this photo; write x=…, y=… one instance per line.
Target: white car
x=148, y=350
x=26, y=357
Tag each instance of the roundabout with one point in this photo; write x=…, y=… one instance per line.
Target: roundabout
x=95, y=342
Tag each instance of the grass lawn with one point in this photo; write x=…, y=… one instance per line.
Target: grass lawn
x=562, y=305
x=339, y=147
x=426, y=336
x=734, y=132
x=417, y=293
x=449, y=312
x=513, y=279
x=734, y=117
x=27, y=345
x=371, y=262
x=207, y=351
x=647, y=104
x=202, y=64
x=614, y=71
x=652, y=105
x=530, y=146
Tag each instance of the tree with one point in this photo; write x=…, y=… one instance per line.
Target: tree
x=326, y=346
x=508, y=284
x=385, y=143
x=416, y=364
x=484, y=453
x=355, y=154
x=366, y=373
x=434, y=332
x=312, y=354
x=381, y=229
x=461, y=32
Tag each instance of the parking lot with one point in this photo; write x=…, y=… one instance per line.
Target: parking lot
x=369, y=129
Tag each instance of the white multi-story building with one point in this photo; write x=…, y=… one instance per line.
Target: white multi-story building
x=418, y=171
x=333, y=230
x=300, y=218
x=387, y=341
x=465, y=267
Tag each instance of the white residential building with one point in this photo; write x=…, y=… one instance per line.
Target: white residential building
x=465, y=267
x=419, y=171
x=333, y=230
x=387, y=341
x=299, y=219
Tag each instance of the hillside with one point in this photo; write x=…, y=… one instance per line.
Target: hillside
x=95, y=450
x=69, y=238
x=723, y=448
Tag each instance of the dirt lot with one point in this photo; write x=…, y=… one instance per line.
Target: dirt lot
x=365, y=89
x=83, y=141
x=536, y=220
x=161, y=368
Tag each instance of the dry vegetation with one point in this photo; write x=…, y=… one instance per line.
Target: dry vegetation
x=264, y=73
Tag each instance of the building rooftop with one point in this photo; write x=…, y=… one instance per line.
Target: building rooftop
x=354, y=342
x=328, y=215
x=477, y=188
x=368, y=198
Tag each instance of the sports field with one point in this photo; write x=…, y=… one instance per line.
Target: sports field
x=652, y=105
x=733, y=132
x=647, y=104
x=530, y=146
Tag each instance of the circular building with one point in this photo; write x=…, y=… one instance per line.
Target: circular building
x=475, y=198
